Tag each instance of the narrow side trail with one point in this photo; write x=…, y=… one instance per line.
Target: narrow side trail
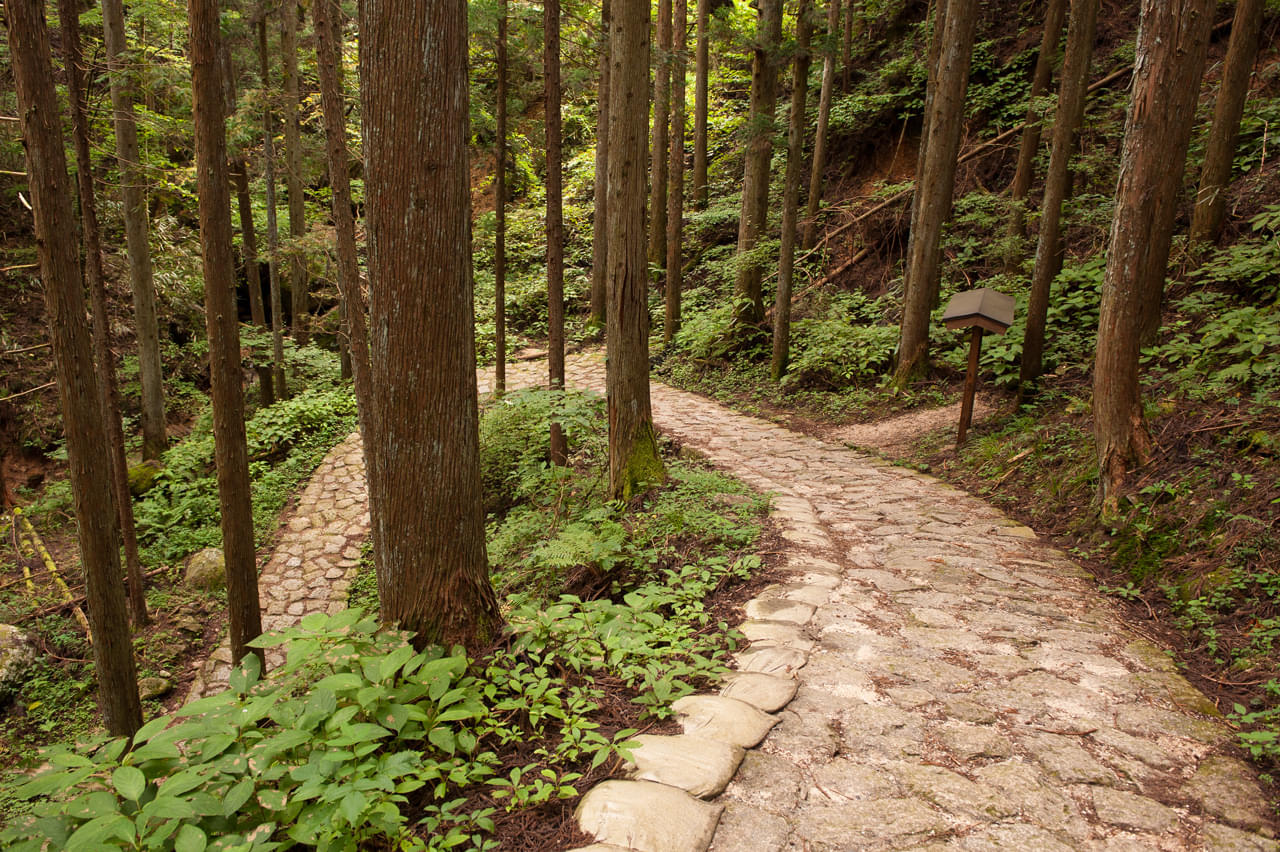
x=958, y=684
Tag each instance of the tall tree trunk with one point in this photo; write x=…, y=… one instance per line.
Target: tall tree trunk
x=1054, y=14
x=273, y=228
x=675, y=170
x=328, y=24
x=846, y=65
x=701, y=69
x=1173, y=38
x=102, y=351
x=428, y=542
x=931, y=88
x=231, y=454
x=500, y=212
x=136, y=229
x=87, y=442
x=658, y=152
x=293, y=174
x=1211, y=200
x=749, y=307
x=935, y=186
x=791, y=195
x=555, y=216
x=600, y=217
x=809, y=232
x=1072, y=90
x=633, y=447
x=248, y=235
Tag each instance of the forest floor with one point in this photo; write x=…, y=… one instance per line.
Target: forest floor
x=959, y=680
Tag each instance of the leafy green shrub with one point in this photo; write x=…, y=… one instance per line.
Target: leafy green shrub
x=846, y=345
x=1215, y=348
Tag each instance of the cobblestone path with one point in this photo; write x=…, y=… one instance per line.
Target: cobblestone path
x=957, y=684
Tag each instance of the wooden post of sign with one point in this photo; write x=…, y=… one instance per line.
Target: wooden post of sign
x=970, y=383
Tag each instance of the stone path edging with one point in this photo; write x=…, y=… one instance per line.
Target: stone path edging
x=929, y=677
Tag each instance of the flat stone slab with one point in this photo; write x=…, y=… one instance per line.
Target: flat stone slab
x=701, y=767
x=762, y=633
x=772, y=660
x=725, y=719
x=764, y=691
x=779, y=609
x=885, y=581
x=646, y=817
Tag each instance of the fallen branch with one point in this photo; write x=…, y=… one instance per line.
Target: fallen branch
x=78, y=601
x=31, y=545
x=827, y=279
x=27, y=391
x=25, y=348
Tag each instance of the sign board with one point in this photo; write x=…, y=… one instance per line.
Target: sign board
x=984, y=308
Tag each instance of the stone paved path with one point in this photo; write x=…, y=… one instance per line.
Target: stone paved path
x=957, y=684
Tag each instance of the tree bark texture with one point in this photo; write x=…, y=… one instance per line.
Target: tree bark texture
x=675, y=173
x=328, y=24
x=248, y=235
x=791, y=195
x=701, y=69
x=633, y=447
x=658, y=151
x=600, y=217
x=749, y=305
x=231, y=455
x=429, y=543
x=846, y=52
x=87, y=443
x=1211, y=200
x=102, y=351
x=500, y=211
x=1173, y=37
x=273, y=228
x=293, y=174
x=554, y=216
x=809, y=231
x=1072, y=90
x=1054, y=14
x=935, y=186
x=137, y=245
x=931, y=88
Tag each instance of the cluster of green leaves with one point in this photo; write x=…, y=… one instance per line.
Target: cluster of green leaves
x=846, y=345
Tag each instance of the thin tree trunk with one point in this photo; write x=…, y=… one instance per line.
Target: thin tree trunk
x=931, y=88
x=102, y=352
x=554, y=216
x=749, y=307
x=675, y=170
x=1173, y=38
x=1072, y=90
x=935, y=186
x=633, y=448
x=791, y=195
x=600, y=218
x=273, y=228
x=429, y=543
x=328, y=15
x=658, y=152
x=1055, y=12
x=293, y=174
x=154, y=439
x=248, y=236
x=230, y=451
x=809, y=232
x=500, y=212
x=1211, y=200
x=702, y=63
x=846, y=65
x=87, y=443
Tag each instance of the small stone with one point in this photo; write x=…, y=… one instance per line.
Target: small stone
x=207, y=569
x=761, y=633
x=744, y=827
x=697, y=765
x=724, y=719
x=886, y=582
x=772, y=660
x=845, y=780
x=153, y=687
x=952, y=792
x=647, y=817
x=1131, y=811
x=1223, y=838
x=16, y=656
x=967, y=742
x=1227, y=788
x=779, y=609
x=764, y=691
x=1067, y=761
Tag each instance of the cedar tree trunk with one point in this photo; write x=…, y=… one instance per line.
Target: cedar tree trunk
x=301, y=302
x=702, y=63
x=809, y=232
x=600, y=213
x=658, y=152
x=500, y=211
x=273, y=228
x=554, y=216
x=675, y=169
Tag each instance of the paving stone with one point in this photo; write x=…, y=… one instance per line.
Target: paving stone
x=1131, y=811
x=762, y=633
x=768, y=782
x=1029, y=790
x=1067, y=761
x=743, y=827
x=724, y=719
x=779, y=609
x=1019, y=837
x=846, y=780
x=697, y=765
x=772, y=660
x=647, y=817
x=880, y=823
x=952, y=792
x=1227, y=788
x=968, y=742
x=763, y=691
x=1224, y=838
x=884, y=581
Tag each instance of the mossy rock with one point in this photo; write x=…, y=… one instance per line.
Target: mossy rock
x=207, y=569
x=143, y=476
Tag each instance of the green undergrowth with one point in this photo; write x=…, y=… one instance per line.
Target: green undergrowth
x=360, y=741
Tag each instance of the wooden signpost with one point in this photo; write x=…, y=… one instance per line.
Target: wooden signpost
x=982, y=310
